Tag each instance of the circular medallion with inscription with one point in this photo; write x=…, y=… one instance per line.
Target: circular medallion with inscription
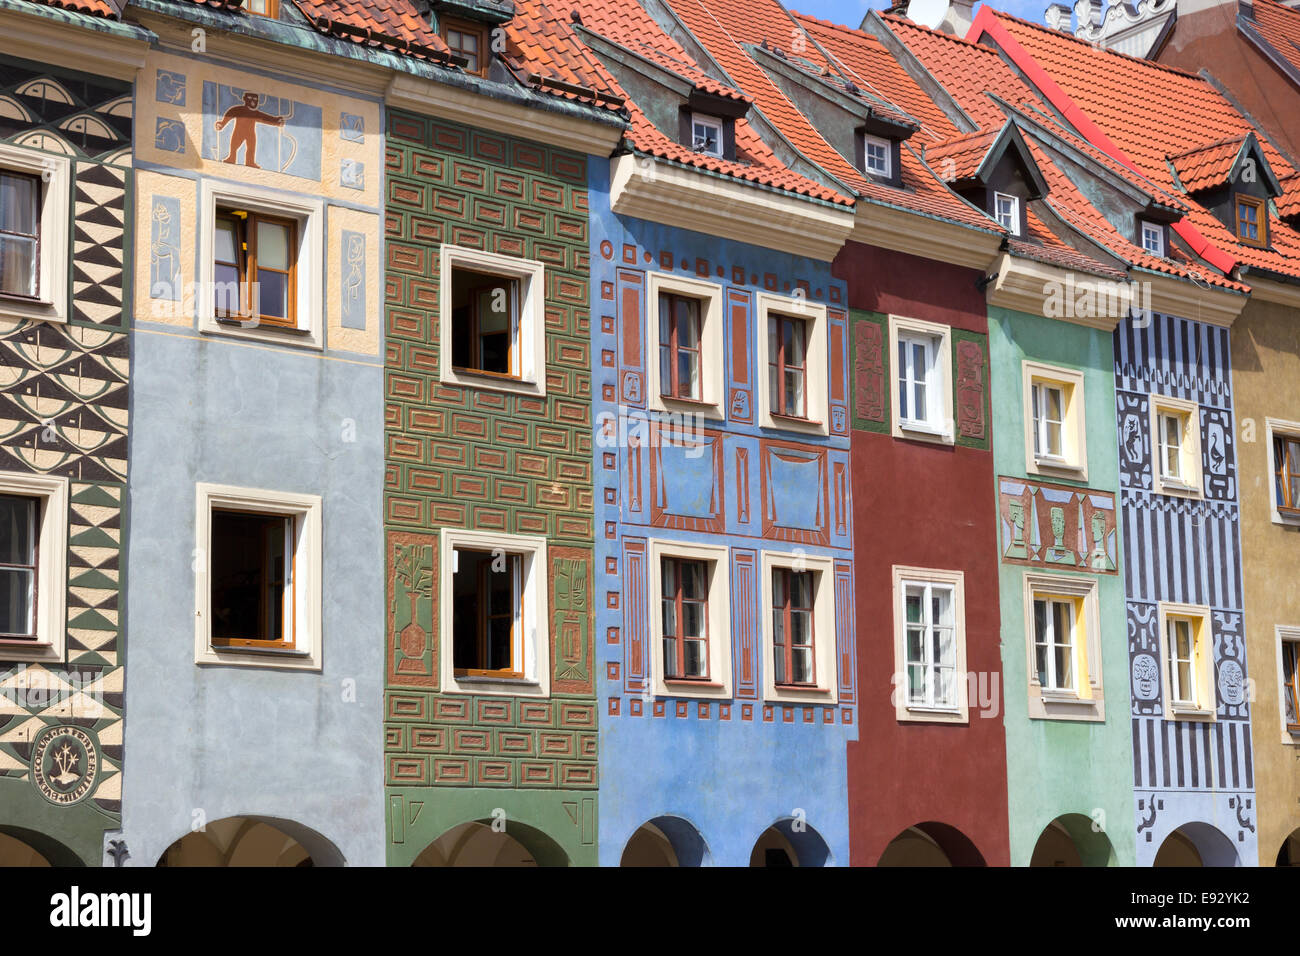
x=65, y=763
x=1232, y=683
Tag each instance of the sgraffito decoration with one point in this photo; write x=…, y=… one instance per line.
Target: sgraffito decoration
x=1057, y=526
x=971, y=388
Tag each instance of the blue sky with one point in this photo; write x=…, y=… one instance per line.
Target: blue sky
x=851, y=11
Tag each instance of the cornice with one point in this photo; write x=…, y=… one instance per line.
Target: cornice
x=918, y=235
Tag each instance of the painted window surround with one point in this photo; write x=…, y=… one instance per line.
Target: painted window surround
x=1074, y=428
x=1190, y=486
x=824, y=629
x=50, y=645
x=536, y=681
x=712, y=358
x=1203, y=659
x=719, y=684
x=531, y=346
x=943, y=386
x=308, y=586
x=817, y=385
x=51, y=303
x=309, y=213
x=903, y=711
x=1088, y=703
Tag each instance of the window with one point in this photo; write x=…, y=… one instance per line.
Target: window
x=929, y=645
x=492, y=605
x=679, y=346
x=258, y=578
x=468, y=40
x=799, y=632
x=254, y=258
x=33, y=561
x=1153, y=239
x=34, y=237
x=484, y=323
x=1007, y=211
x=1186, y=662
x=1056, y=431
x=487, y=595
x=1062, y=640
x=706, y=134
x=1284, y=445
x=877, y=156
x=494, y=333
x=1252, y=225
x=262, y=265
x=1176, y=446
x=796, y=394
x=263, y=8
x=690, y=619
x=923, y=380
x=683, y=322
x=685, y=606
x=1289, y=674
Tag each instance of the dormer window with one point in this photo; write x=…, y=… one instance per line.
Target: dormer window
x=1007, y=210
x=1252, y=222
x=877, y=156
x=264, y=8
x=706, y=134
x=1153, y=238
x=466, y=39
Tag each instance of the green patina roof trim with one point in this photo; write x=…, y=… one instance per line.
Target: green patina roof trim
x=86, y=21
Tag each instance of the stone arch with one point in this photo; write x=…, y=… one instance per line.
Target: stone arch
x=252, y=841
x=931, y=844
x=1197, y=844
x=665, y=841
x=480, y=843
x=1288, y=853
x=1071, y=840
x=790, y=842
x=22, y=847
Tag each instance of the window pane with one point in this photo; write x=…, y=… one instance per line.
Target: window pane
x=916, y=645
x=692, y=619
x=273, y=245
x=688, y=323
x=914, y=606
x=16, y=602
x=945, y=687
x=915, y=684
x=794, y=392
x=693, y=580
x=1041, y=664
x=670, y=617
x=695, y=663
x=226, y=248
x=17, y=530
x=801, y=587
x=801, y=661
x=17, y=265
x=904, y=405
x=1064, y=668
x=18, y=197
x=1040, y=621
x=1184, y=680
x=941, y=606
x=778, y=665
x=250, y=576
x=801, y=627
x=273, y=294
x=688, y=374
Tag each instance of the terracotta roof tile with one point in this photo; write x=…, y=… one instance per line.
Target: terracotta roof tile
x=96, y=8
x=383, y=20
x=1280, y=27
x=961, y=156
x=1206, y=167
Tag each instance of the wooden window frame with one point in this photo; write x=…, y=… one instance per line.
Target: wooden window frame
x=37, y=504
x=448, y=25
x=1073, y=461
x=47, y=644
x=1177, y=697
x=246, y=268
x=675, y=348
x=929, y=665
x=272, y=10
x=516, y=669
x=53, y=253
x=38, y=202
x=1038, y=399
x=1289, y=647
x=475, y=331
x=786, y=611
x=1260, y=206
x=778, y=363
x=1085, y=701
x=289, y=596
x=1203, y=704
x=1282, y=475
x=678, y=602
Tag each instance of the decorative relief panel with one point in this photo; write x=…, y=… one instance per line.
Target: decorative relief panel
x=1057, y=526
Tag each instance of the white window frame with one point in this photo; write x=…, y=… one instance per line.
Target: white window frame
x=309, y=214
x=1151, y=229
x=305, y=510
x=1286, y=634
x=50, y=645
x=531, y=344
x=825, y=631
x=816, y=379
x=1013, y=226
x=867, y=142
x=1275, y=428
x=938, y=427
x=709, y=122
x=1073, y=463
x=55, y=263
x=535, y=627
x=1087, y=701
x=1189, y=483
x=1205, y=706
x=959, y=712
x=712, y=358
x=719, y=683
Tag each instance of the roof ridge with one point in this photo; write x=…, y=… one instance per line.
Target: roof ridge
x=938, y=34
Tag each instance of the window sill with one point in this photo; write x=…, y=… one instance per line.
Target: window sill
x=673, y=405
x=22, y=307
x=690, y=682
x=1059, y=467
x=922, y=709
x=491, y=381
x=297, y=337
x=29, y=651
x=1191, y=713
x=793, y=423
x=1176, y=488
x=1065, y=698
x=923, y=431
x=1050, y=705
x=258, y=649
x=249, y=324
x=485, y=679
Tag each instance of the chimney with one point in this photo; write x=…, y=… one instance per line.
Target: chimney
x=960, y=16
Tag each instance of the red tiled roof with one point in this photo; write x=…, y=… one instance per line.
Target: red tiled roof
x=1206, y=167
x=96, y=8
x=394, y=24
x=722, y=26
x=1288, y=204
x=1279, y=26
x=1143, y=112
x=961, y=156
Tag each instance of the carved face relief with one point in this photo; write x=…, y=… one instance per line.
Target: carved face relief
x=1146, y=677
x=1058, y=526
x=1232, y=682
x=1098, y=527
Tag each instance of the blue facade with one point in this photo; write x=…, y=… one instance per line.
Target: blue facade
x=1191, y=774
x=714, y=774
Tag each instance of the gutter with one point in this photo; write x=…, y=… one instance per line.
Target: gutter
x=84, y=21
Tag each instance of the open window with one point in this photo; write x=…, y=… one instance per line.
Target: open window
x=922, y=407
x=33, y=561
x=257, y=578
x=929, y=645
x=34, y=239
x=493, y=330
x=1289, y=687
x=1176, y=446
x=1063, y=643
x=1284, y=445
x=1186, y=648
x=1055, y=426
